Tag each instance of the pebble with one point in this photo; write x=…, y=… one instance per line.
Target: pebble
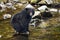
x=0, y=36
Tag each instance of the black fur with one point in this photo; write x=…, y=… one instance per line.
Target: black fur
x=20, y=21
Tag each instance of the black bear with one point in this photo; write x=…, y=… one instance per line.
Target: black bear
x=20, y=21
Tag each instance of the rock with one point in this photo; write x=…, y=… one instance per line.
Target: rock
x=49, y=1
x=0, y=36
x=5, y=16
x=16, y=0
x=29, y=6
x=53, y=10
x=33, y=1
x=42, y=8
x=36, y=13
x=43, y=24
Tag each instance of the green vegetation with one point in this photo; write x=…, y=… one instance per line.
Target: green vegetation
x=5, y=27
x=50, y=33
